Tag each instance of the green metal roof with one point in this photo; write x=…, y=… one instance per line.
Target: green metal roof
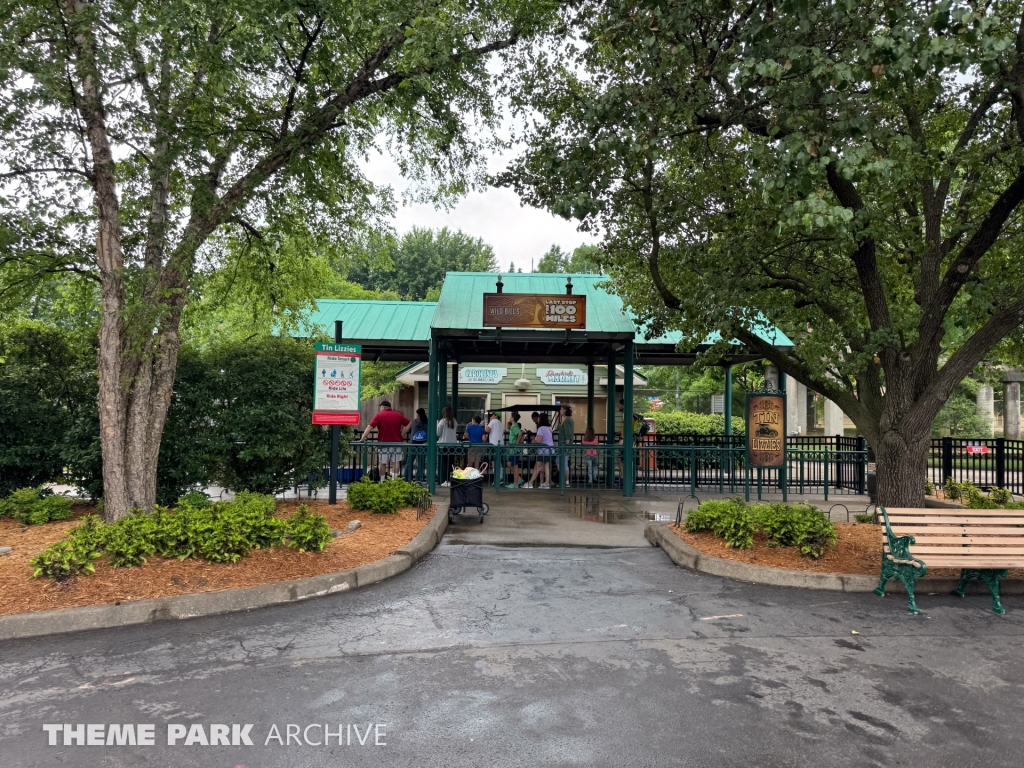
x=377, y=320
x=765, y=331
x=461, y=306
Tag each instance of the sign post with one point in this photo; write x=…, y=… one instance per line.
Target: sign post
x=336, y=390
x=766, y=433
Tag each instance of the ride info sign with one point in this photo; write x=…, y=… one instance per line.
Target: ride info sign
x=336, y=384
x=531, y=310
x=766, y=430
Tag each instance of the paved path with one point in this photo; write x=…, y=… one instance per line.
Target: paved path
x=484, y=656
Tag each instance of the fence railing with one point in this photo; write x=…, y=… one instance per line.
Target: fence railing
x=986, y=462
x=826, y=469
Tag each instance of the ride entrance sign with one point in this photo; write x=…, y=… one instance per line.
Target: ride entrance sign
x=529, y=310
x=336, y=384
x=766, y=430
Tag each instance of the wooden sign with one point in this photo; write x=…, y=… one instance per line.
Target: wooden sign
x=529, y=310
x=766, y=430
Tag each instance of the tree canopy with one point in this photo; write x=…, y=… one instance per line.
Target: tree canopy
x=583, y=259
x=416, y=263
x=852, y=171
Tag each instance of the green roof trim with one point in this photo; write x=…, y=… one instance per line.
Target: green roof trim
x=461, y=306
x=374, y=320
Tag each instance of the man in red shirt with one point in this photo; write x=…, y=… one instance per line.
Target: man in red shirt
x=391, y=427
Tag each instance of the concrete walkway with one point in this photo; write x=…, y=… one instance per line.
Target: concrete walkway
x=594, y=518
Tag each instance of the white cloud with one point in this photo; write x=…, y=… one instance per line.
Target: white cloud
x=518, y=233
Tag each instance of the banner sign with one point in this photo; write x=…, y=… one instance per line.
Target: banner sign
x=529, y=310
x=766, y=430
x=336, y=384
x=481, y=375
x=557, y=376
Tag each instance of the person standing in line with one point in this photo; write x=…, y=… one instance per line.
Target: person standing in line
x=496, y=437
x=417, y=436
x=566, y=437
x=590, y=438
x=515, y=436
x=390, y=426
x=447, y=432
x=546, y=442
x=476, y=433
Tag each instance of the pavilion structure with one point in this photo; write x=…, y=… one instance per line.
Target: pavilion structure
x=454, y=330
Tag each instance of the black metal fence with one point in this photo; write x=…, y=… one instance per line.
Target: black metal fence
x=986, y=462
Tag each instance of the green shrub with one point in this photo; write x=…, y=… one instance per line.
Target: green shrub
x=36, y=506
x=816, y=534
x=929, y=488
x=686, y=422
x=70, y=556
x=977, y=500
x=254, y=515
x=180, y=532
x=130, y=540
x=308, y=532
x=785, y=525
x=951, y=489
x=865, y=517
x=383, y=498
x=225, y=539
x=1000, y=496
x=195, y=499
x=703, y=518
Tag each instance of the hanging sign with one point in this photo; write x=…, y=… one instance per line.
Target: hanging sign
x=766, y=430
x=556, y=376
x=481, y=375
x=530, y=310
x=336, y=384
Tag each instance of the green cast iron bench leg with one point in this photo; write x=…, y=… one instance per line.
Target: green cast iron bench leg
x=989, y=577
x=906, y=572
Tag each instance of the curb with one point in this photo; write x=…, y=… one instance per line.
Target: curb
x=21, y=625
x=686, y=556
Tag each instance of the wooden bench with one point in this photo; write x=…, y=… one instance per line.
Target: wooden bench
x=982, y=543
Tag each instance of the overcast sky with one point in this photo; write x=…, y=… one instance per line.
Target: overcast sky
x=517, y=233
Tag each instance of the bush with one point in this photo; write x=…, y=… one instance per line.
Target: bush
x=1000, y=496
x=865, y=517
x=36, y=506
x=785, y=525
x=384, y=498
x=685, y=422
x=70, y=556
x=929, y=488
x=307, y=532
x=130, y=540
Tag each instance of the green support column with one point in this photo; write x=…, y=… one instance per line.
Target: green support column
x=590, y=394
x=442, y=375
x=610, y=457
x=432, y=418
x=628, y=448
x=455, y=389
x=728, y=464
x=783, y=474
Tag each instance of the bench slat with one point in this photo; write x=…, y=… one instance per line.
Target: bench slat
x=957, y=520
x=972, y=529
x=939, y=512
x=972, y=562
x=989, y=552
x=959, y=541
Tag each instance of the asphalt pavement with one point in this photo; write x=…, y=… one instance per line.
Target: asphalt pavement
x=529, y=656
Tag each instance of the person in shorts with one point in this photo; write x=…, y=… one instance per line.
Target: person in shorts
x=515, y=436
x=391, y=427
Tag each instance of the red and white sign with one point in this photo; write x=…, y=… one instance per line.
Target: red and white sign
x=977, y=449
x=336, y=384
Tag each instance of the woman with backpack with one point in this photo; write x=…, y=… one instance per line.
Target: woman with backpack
x=417, y=436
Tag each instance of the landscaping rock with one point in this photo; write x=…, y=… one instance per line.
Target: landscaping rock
x=5, y=551
x=337, y=534
x=355, y=525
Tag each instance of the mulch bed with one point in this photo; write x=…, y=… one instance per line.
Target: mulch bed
x=858, y=550
x=379, y=537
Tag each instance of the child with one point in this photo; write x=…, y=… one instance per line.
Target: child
x=590, y=438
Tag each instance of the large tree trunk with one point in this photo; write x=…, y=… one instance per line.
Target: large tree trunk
x=902, y=468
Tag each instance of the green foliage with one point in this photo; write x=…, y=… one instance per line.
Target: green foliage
x=130, y=540
x=959, y=416
x=71, y=555
x=682, y=422
x=36, y=506
x=265, y=438
x=195, y=499
x=865, y=517
x=45, y=379
x=1000, y=495
x=585, y=259
x=929, y=488
x=307, y=532
x=253, y=516
x=386, y=497
x=419, y=260
x=785, y=525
